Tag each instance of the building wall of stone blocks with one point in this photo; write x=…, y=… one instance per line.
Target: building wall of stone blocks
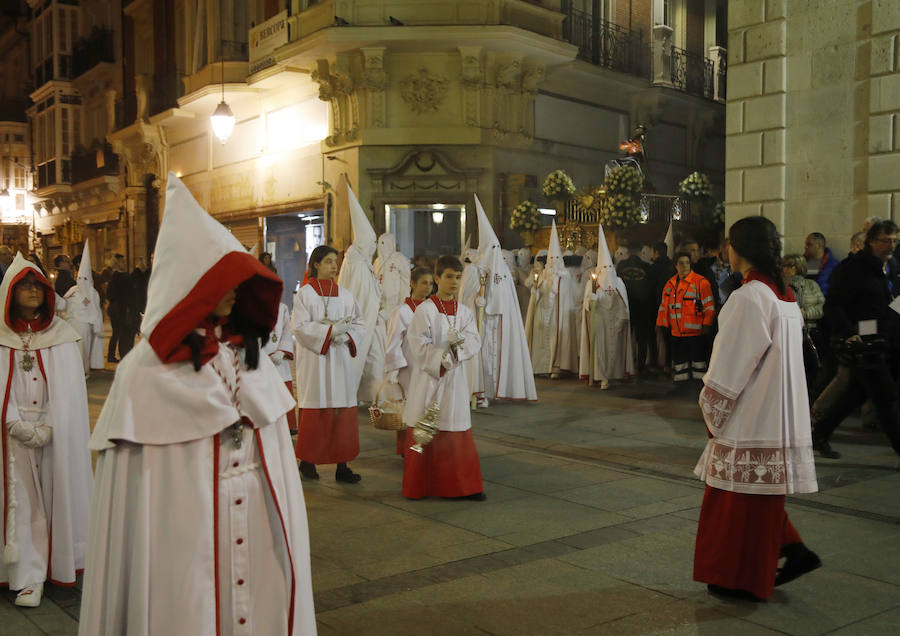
x=813, y=115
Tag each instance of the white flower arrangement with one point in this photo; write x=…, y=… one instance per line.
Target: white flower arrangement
x=718, y=214
x=620, y=208
x=623, y=180
x=558, y=186
x=525, y=217
x=696, y=186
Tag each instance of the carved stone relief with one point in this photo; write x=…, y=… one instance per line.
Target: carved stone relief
x=472, y=80
x=337, y=88
x=374, y=80
x=515, y=82
x=424, y=91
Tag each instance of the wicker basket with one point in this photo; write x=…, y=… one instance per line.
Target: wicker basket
x=388, y=415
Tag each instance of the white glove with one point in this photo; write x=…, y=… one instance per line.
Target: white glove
x=454, y=338
x=394, y=377
x=340, y=339
x=31, y=434
x=447, y=361
x=277, y=357
x=340, y=328
x=480, y=302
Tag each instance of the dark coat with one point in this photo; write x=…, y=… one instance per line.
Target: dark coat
x=861, y=290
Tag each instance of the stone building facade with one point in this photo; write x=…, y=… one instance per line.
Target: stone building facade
x=813, y=132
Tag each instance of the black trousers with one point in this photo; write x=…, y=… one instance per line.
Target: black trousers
x=688, y=357
x=122, y=334
x=643, y=327
x=873, y=382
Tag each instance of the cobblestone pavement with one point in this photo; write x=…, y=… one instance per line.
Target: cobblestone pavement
x=588, y=529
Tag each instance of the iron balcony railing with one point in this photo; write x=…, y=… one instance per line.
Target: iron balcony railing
x=692, y=73
x=606, y=44
x=655, y=208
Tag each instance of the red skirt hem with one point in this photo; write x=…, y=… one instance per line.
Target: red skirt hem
x=447, y=467
x=328, y=436
x=739, y=540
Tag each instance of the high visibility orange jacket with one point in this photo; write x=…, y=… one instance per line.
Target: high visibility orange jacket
x=687, y=305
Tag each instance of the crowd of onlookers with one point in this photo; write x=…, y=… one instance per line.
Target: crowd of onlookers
x=123, y=294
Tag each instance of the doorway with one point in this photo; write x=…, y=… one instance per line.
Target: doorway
x=426, y=229
x=290, y=239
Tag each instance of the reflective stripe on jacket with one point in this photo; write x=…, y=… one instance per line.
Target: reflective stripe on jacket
x=687, y=305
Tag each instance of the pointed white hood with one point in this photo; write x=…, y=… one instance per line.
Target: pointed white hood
x=52, y=329
x=523, y=258
x=487, y=238
x=555, y=261
x=363, y=234
x=197, y=261
x=387, y=245
x=670, y=241
x=85, y=280
x=465, y=249
x=607, y=279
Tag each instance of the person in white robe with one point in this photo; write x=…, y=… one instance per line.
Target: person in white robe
x=523, y=269
x=328, y=326
x=85, y=315
x=392, y=270
x=397, y=355
x=198, y=523
x=505, y=360
x=471, y=295
x=607, y=352
x=279, y=346
x=442, y=336
x=45, y=495
x=550, y=326
x=357, y=276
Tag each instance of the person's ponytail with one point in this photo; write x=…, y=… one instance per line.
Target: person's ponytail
x=756, y=239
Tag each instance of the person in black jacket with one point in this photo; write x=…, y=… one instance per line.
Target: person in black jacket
x=866, y=330
x=64, y=278
x=661, y=270
x=642, y=307
x=120, y=293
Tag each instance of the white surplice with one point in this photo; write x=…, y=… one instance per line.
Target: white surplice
x=470, y=295
x=427, y=335
x=755, y=400
x=325, y=381
x=392, y=271
x=397, y=354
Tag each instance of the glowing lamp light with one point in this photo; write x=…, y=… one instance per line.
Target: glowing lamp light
x=547, y=211
x=222, y=122
x=437, y=217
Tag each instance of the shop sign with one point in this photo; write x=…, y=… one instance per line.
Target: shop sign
x=265, y=39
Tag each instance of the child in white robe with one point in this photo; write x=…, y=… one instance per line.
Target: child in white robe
x=45, y=496
x=397, y=354
x=198, y=524
x=442, y=336
x=279, y=346
x=328, y=326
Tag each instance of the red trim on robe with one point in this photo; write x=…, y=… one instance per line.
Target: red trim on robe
x=327, y=344
x=739, y=540
x=287, y=543
x=446, y=307
x=49, y=299
x=413, y=303
x=216, y=444
x=12, y=364
x=447, y=467
x=788, y=294
x=258, y=297
x=292, y=414
x=351, y=345
x=327, y=436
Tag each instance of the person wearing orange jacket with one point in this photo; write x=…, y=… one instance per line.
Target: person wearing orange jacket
x=687, y=310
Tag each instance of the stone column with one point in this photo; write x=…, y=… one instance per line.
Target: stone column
x=717, y=55
x=662, y=55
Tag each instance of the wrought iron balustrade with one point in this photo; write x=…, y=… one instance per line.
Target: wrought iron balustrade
x=692, y=73
x=605, y=43
x=655, y=208
x=235, y=51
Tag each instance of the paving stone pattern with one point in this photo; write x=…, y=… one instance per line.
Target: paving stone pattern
x=588, y=529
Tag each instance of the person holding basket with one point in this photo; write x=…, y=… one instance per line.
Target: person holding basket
x=441, y=459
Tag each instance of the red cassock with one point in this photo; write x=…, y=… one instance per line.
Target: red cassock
x=739, y=540
x=447, y=467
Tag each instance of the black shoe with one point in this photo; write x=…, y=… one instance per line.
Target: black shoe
x=308, y=470
x=800, y=560
x=478, y=496
x=824, y=449
x=727, y=592
x=344, y=474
